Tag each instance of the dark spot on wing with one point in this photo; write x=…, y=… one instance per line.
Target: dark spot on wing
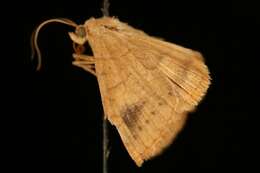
x=112, y=28
x=170, y=93
x=140, y=128
x=147, y=121
x=134, y=136
x=131, y=114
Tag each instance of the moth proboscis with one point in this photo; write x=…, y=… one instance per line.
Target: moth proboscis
x=148, y=86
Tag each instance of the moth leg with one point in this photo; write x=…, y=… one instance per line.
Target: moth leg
x=82, y=57
x=86, y=62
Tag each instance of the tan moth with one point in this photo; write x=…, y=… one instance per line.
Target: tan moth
x=147, y=85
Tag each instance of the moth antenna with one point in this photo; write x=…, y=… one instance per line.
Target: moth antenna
x=34, y=38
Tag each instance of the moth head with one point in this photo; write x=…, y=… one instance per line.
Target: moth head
x=79, y=36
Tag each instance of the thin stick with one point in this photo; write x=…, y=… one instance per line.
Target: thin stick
x=105, y=146
x=105, y=11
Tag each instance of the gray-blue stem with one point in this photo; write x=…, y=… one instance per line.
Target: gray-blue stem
x=105, y=145
x=105, y=11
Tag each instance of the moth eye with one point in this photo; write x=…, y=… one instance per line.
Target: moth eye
x=80, y=31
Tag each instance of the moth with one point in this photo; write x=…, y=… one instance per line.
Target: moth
x=148, y=86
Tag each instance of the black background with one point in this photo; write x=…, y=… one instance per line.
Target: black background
x=54, y=117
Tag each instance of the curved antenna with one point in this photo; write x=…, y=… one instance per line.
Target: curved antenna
x=34, y=37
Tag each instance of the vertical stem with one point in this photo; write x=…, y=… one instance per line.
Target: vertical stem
x=105, y=11
x=105, y=145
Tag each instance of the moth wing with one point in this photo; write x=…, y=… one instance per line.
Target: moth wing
x=184, y=67
x=147, y=88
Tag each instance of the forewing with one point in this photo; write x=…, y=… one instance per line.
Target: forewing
x=147, y=88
